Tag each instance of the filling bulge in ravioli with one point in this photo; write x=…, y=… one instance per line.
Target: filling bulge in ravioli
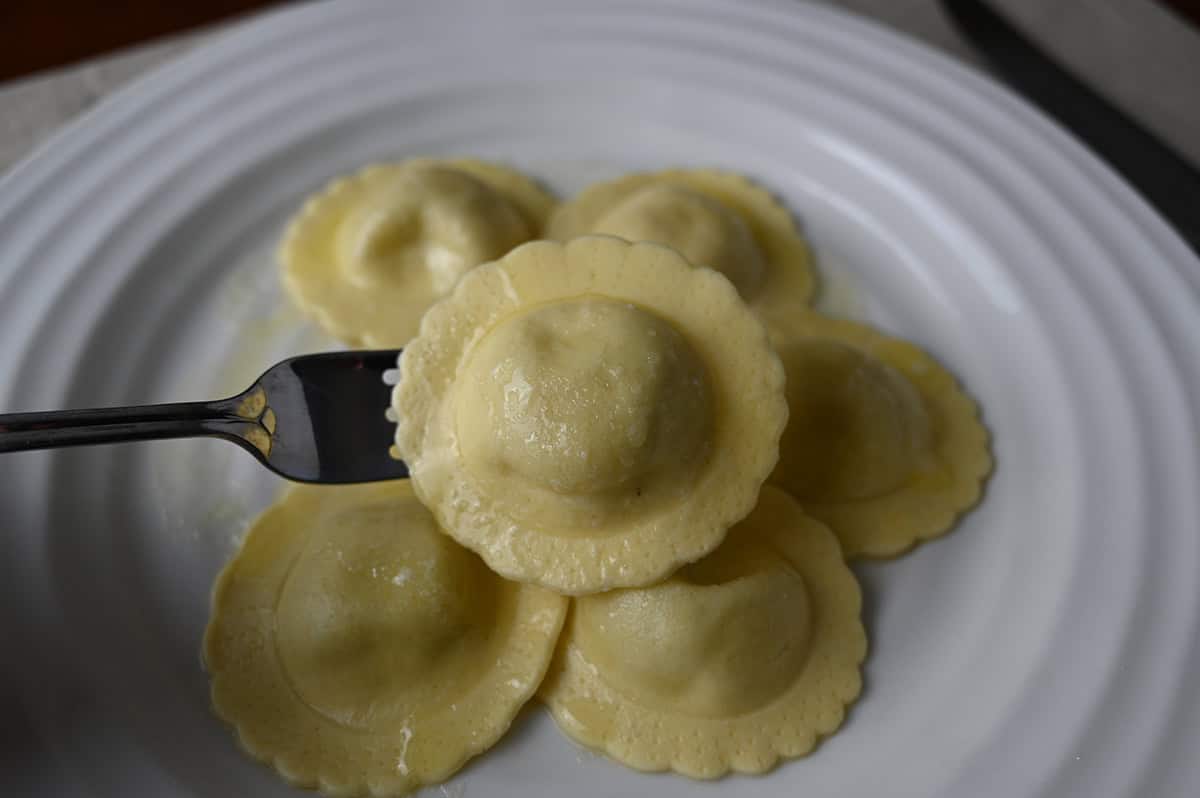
x=723, y=637
x=738, y=659
x=715, y=219
x=371, y=627
x=882, y=443
x=700, y=228
x=426, y=228
x=368, y=254
x=359, y=650
x=858, y=427
x=588, y=398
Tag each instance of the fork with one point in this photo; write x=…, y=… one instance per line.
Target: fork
x=314, y=418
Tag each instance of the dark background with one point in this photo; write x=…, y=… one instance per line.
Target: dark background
x=43, y=34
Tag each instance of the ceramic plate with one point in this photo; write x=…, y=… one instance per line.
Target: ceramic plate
x=1048, y=647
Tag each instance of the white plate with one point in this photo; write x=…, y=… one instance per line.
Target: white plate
x=1046, y=648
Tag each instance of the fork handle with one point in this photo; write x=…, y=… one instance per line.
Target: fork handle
x=223, y=418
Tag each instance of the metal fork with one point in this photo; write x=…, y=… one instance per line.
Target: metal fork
x=315, y=418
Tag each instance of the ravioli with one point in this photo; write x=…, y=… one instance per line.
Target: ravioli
x=881, y=444
x=359, y=650
x=742, y=658
x=589, y=415
x=716, y=219
x=368, y=254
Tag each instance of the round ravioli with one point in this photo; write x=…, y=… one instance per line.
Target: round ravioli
x=590, y=415
x=746, y=656
x=716, y=219
x=881, y=444
x=372, y=251
x=359, y=650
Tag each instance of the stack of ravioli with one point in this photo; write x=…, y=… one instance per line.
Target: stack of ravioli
x=639, y=462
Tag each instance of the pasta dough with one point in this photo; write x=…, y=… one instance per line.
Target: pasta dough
x=358, y=649
x=615, y=389
x=369, y=254
x=589, y=415
x=716, y=219
x=881, y=443
x=749, y=655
